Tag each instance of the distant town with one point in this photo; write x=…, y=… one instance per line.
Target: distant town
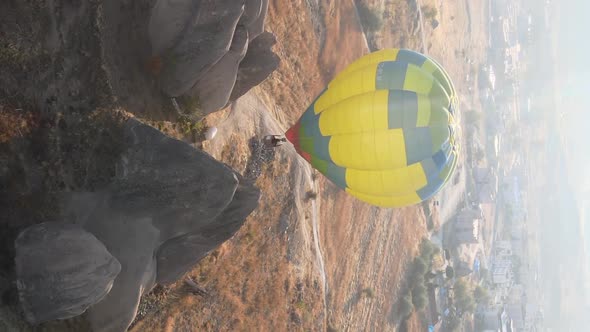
x=490, y=243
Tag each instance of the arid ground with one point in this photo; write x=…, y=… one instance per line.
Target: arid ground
x=312, y=258
x=329, y=263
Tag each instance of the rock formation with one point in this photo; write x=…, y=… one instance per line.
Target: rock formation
x=256, y=66
x=216, y=85
x=202, y=44
x=167, y=198
x=61, y=271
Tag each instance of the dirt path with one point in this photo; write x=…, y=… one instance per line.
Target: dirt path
x=251, y=114
x=358, y=18
x=422, y=32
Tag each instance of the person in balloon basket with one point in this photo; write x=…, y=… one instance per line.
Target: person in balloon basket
x=274, y=140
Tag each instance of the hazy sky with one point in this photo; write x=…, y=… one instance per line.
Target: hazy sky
x=572, y=63
x=573, y=70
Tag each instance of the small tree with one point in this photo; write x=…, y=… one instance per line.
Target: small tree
x=481, y=295
x=450, y=272
x=405, y=306
x=420, y=267
x=419, y=296
x=419, y=301
x=463, y=298
x=426, y=250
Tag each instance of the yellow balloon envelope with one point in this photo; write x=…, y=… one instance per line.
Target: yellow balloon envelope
x=383, y=129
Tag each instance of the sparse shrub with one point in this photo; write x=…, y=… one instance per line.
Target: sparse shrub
x=426, y=250
x=429, y=12
x=15, y=123
x=371, y=20
x=191, y=105
x=331, y=328
x=301, y=305
x=188, y=126
x=311, y=195
x=368, y=292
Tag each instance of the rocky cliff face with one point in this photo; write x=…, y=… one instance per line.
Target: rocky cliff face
x=98, y=207
x=166, y=208
x=61, y=270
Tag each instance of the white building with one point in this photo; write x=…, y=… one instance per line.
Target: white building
x=503, y=248
x=502, y=274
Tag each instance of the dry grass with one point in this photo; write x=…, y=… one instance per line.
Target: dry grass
x=16, y=123
x=265, y=278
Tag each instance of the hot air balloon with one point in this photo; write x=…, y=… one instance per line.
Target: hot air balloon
x=383, y=129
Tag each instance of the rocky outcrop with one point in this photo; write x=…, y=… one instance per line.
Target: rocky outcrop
x=132, y=241
x=168, y=206
x=204, y=41
x=257, y=65
x=178, y=255
x=61, y=271
x=168, y=21
x=256, y=27
x=201, y=45
x=216, y=85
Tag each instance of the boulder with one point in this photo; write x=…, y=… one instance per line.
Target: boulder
x=215, y=87
x=133, y=242
x=203, y=42
x=168, y=20
x=167, y=197
x=61, y=270
x=169, y=181
x=252, y=11
x=256, y=27
x=260, y=61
